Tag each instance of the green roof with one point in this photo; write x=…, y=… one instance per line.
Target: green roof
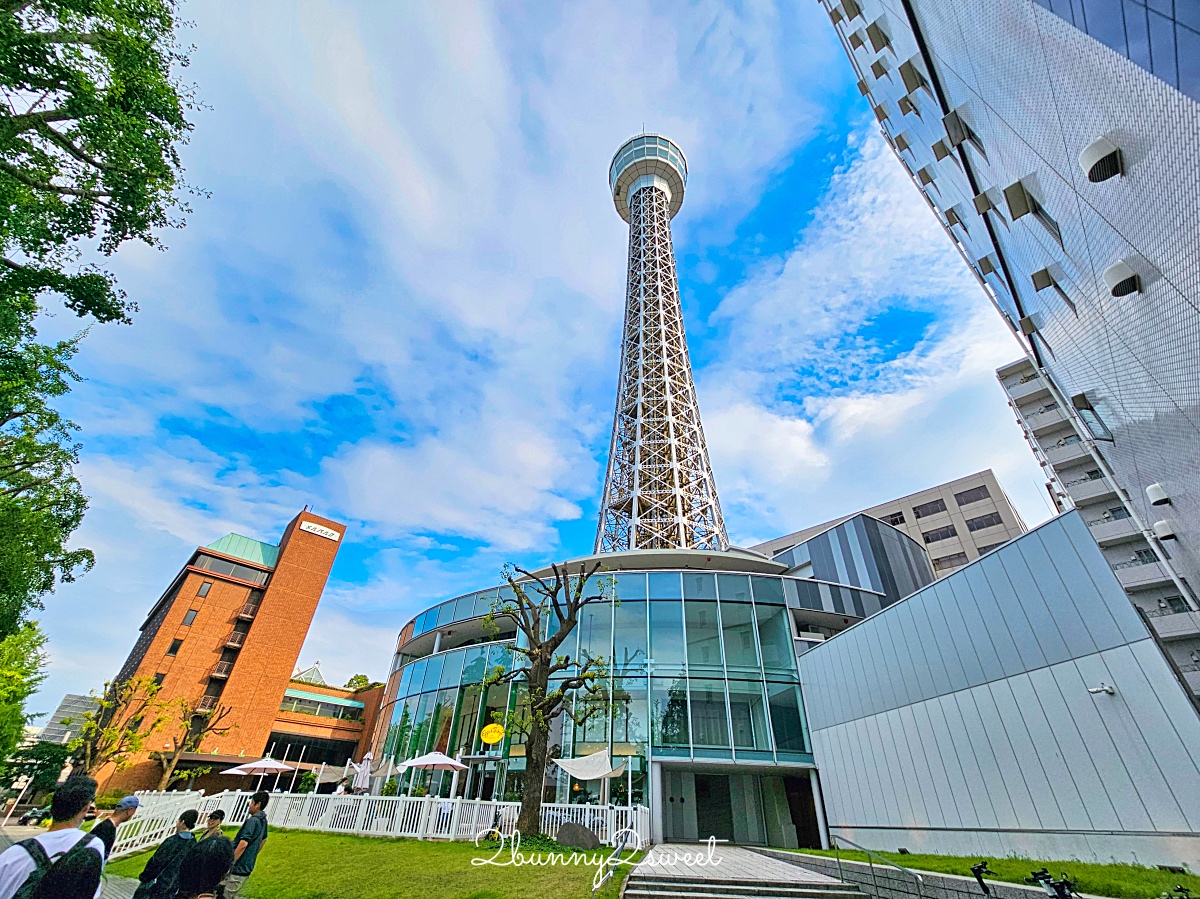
x=321, y=697
x=241, y=547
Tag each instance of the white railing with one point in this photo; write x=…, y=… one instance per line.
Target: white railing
x=391, y=816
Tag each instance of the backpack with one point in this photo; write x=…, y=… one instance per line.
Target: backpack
x=43, y=863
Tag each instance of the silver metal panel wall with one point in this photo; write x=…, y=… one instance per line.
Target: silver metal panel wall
x=959, y=720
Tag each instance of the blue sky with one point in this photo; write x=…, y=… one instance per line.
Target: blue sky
x=401, y=304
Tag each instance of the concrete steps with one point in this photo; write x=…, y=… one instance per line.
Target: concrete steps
x=640, y=887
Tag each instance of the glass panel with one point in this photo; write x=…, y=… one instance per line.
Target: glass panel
x=403, y=727
x=595, y=632
x=631, y=586
x=703, y=637
x=433, y=674
x=445, y=613
x=418, y=675
x=629, y=637
x=785, y=717
x=666, y=634
x=709, y=724
x=420, y=734
x=592, y=735
x=474, y=664
x=748, y=716
x=630, y=714
x=699, y=586
x=500, y=655
x=452, y=668
x=405, y=680
x=468, y=721
x=443, y=719
x=483, y=602
x=768, y=590
x=464, y=607
x=733, y=587
x=668, y=707
x=775, y=638
x=495, y=708
x=665, y=585
x=737, y=627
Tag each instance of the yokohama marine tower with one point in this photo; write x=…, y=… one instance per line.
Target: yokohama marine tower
x=659, y=492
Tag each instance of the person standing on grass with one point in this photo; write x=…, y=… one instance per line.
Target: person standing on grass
x=247, y=844
x=203, y=870
x=106, y=830
x=26, y=865
x=212, y=827
x=159, y=877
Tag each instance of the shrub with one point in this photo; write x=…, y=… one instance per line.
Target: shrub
x=391, y=788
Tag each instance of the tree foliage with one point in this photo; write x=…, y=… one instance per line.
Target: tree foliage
x=546, y=611
x=41, y=761
x=41, y=502
x=358, y=682
x=90, y=118
x=126, y=715
x=22, y=660
x=191, y=728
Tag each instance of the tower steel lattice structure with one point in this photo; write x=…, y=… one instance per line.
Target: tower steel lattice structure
x=659, y=492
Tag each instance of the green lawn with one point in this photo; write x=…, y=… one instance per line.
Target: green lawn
x=1118, y=881
x=303, y=865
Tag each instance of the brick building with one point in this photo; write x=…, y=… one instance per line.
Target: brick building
x=227, y=632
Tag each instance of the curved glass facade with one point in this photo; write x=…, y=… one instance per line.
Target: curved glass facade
x=643, y=147
x=701, y=666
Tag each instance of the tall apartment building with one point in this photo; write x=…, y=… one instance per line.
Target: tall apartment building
x=227, y=633
x=956, y=522
x=1059, y=146
x=64, y=725
x=1078, y=477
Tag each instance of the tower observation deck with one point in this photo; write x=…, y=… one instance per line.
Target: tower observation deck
x=659, y=491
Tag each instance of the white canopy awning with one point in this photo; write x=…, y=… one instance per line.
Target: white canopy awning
x=596, y=766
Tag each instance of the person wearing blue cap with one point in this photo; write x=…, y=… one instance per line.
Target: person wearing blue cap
x=106, y=830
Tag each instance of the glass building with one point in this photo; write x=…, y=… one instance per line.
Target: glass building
x=700, y=649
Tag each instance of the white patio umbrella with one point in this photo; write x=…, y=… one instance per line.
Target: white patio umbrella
x=262, y=767
x=362, y=773
x=433, y=761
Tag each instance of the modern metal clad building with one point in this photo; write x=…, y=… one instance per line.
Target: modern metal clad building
x=1059, y=145
x=1018, y=706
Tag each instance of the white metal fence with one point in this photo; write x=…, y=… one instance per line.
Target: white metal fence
x=385, y=816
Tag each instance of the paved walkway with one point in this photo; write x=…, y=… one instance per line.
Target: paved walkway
x=721, y=863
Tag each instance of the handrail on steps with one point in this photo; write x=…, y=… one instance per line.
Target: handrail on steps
x=608, y=863
x=870, y=855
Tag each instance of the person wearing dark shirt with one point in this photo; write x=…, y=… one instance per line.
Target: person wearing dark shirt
x=212, y=828
x=162, y=871
x=247, y=844
x=202, y=871
x=106, y=830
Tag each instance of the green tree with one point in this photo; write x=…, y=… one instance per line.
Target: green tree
x=41, y=502
x=126, y=714
x=546, y=611
x=22, y=660
x=358, y=682
x=191, y=727
x=41, y=761
x=90, y=118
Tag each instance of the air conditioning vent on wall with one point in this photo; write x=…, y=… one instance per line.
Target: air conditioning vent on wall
x=1122, y=280
x=1101, y=160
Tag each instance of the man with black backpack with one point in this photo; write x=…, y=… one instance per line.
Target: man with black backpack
x=23, y=866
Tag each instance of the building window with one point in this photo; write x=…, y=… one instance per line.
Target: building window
x=1118, y=513
x=940, y=534
x=984, y=521
x=1145, y=556
x=223, y=566
x=983, y=550
x=174, y=647
x=946, y=562
x=894, y=519
x=1069, y=440
x=926, y=509
x=974, y=495
x=204, y=588
x=1176, y=604
x=159, y=678
x=190, y=616
x=1093, y=474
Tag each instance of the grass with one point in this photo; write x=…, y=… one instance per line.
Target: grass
x=304, y=865
x=1117, y=881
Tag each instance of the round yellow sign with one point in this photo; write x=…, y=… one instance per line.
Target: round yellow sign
x=492, y=733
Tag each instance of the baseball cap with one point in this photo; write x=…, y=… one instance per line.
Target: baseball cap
x=129, y=802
